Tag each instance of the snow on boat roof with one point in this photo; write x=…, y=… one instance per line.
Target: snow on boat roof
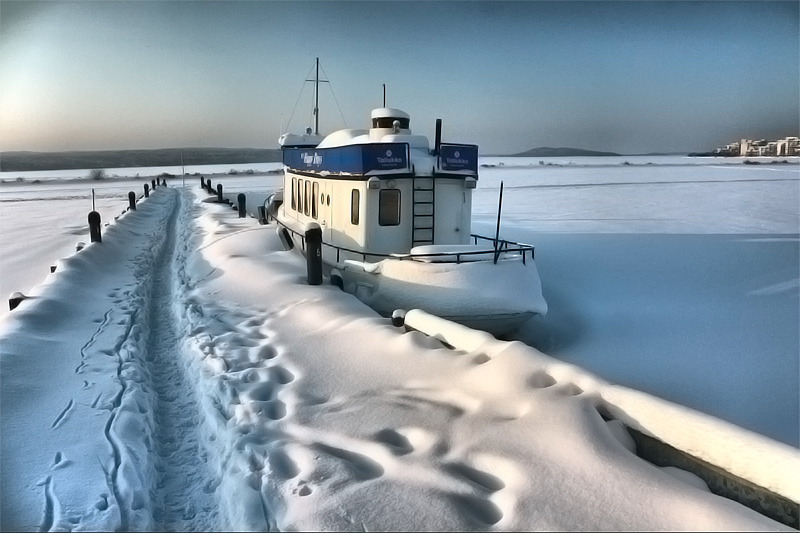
x=389, y=112
x=344, y=137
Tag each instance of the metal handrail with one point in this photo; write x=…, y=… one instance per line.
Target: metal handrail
x=503, y=247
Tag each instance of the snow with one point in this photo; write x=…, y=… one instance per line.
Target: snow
x=182, y=375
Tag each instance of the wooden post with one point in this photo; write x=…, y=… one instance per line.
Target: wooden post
x=314, y=254
x=241, y=199
x=94, y=227
x=15, y=299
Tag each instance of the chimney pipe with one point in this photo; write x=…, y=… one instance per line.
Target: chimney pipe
x=438, y=136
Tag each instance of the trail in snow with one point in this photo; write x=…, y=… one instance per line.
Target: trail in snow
x=183, y=497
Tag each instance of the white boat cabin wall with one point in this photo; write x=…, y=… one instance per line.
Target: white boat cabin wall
x=380, y=191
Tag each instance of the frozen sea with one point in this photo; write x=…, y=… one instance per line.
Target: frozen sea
x=670, y=274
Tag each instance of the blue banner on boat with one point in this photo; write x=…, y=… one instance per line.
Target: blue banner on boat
x=456, y=157
x=357, y=159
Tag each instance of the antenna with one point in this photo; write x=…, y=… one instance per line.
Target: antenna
x=497, y=234
x=316, y=81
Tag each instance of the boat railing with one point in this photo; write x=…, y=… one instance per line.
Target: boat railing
x=499, y=248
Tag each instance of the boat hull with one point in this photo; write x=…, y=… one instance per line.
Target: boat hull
x=480, y=294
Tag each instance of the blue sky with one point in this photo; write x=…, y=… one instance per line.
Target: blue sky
x=628, y=77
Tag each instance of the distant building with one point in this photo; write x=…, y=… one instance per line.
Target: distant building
x=790, y=146
x=787, y=146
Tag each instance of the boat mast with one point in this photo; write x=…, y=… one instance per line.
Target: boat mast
x=316, y=101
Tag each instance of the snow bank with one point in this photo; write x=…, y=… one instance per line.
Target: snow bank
x=396, y=431
x=745, y=454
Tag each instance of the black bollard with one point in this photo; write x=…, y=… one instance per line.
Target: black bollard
x=132, y=201
x=208, y=186
x=163, y=182
x=241, y=199
x=94, y=226
x=314, y=254
x=398, y=318
x=146, y=191
x=202, y=182
x=15, y=299
x=219, y=192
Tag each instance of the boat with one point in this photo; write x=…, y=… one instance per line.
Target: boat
x=394, y=215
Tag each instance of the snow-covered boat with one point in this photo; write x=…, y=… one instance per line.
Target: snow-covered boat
x=395, y=217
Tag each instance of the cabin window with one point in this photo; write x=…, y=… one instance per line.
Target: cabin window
x=314, y=205
x=294, y=191
x=299, y=196
x=388, y=122
x=389, y=207
x=354, y=207
x=307, y=203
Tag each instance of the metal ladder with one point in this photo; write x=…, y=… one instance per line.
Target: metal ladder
x=424, y=195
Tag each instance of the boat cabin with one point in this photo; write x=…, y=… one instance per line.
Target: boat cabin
x=380, y=191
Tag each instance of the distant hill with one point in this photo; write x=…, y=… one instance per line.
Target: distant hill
x=22, y=161
x=561, y=152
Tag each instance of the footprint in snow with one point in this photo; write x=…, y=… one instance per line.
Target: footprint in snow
x=480, y=359
x=263, y=392
x=570, y=389
x=281, y=375
x=362, y=467
x=541, y=380
x=397, y=443
x=282, y=465
x=267, y=351
x=478, y=509
x=483, y=480
x=60, y=462
x=275, y=410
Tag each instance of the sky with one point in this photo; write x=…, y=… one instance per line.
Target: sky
x=628, y=77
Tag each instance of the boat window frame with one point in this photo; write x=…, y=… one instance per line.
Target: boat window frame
x=389, y=208
x=388, y=122
x=355, y=207
x=315, y=200
x=299, y=196
x=294, y=198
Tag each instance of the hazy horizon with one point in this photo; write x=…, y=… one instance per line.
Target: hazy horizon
x=626, y=77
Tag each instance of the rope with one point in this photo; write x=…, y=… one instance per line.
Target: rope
x=298, y=101
x=334, y=97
